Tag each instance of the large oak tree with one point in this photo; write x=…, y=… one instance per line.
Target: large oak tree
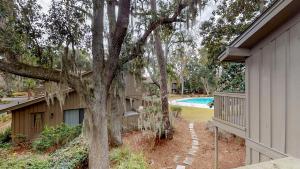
x=25, y=32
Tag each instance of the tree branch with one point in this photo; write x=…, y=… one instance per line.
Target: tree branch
x=138, y=47
x=38, y=72
x=117, y=40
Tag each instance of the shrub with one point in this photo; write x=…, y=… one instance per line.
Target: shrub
x=176, y=110
x=5, y=137
x=55, y=136
x=29, y=162
x=211, y=104
x=123, y=158
x=73, y=155
x=150, y=121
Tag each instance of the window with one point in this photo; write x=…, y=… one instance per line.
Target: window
x=73, y=117
x=37, y=122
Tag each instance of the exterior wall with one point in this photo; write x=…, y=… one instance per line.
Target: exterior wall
x=22, y=122
x=133, y=86
x=273, y=81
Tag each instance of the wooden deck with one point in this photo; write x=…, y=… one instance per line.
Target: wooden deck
x=230, y=113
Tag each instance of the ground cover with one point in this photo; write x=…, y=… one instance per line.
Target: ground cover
x=167, y=154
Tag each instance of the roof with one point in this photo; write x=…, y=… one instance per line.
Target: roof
x=271, y=19
x=12, y=102
x=28, y=103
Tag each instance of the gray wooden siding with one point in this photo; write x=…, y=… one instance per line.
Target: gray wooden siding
x=273, y=95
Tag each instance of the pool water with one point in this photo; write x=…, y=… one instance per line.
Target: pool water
x=198, y=100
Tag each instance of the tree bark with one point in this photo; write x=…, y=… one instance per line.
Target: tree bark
x=163, y=79
x=115, y=120
x=97, y=132
x=182, y=86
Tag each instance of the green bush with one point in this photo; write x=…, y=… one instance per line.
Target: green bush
x=55, y=136
x=5, y=137
x=28, y=162
x=73, y=155
x=123, y=158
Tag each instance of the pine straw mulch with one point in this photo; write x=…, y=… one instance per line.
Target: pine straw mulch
x=165, y=154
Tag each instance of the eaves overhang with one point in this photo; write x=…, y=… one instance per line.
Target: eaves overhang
x=271, y=19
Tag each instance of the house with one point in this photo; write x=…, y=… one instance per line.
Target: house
x=267, y=115
x=30, y=117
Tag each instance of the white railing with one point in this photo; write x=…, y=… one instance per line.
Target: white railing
x=230, y=108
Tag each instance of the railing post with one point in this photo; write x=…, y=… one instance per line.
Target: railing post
x=216, y=149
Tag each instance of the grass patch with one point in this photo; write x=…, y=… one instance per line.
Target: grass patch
x=123, y=158
x=196, y=114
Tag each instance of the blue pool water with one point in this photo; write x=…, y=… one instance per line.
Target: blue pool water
x=198, y=100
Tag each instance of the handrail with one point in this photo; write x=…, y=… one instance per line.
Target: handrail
x=239, y=95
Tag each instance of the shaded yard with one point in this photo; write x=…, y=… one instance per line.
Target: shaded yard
x=170, y=153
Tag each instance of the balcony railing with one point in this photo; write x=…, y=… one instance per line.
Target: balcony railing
x=230, y=109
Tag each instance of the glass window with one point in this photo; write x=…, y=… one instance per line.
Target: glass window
x=37, y=122
x=73, y=117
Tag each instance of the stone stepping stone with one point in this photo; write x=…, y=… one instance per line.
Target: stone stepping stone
x=191, y=125
x=188, y=160
x=195, y=138
x=176, y=159
x=180, y=167
x=194, y=147
x=195, y=143
x=192, y=152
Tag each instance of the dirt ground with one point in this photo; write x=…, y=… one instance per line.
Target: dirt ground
x=167, y=153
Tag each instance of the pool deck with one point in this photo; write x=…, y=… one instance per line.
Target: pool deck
x=178, y=103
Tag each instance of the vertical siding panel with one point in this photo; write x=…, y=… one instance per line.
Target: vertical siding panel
x=254, y=96
x=27, y=122
x=17, y=123
x=247, y=85
x=279, y=93
x=22, y=123
x=293, y=94
x=265, y=94
x=255, y=156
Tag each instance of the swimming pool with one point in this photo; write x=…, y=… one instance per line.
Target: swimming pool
x=201, y=102
x=198, y=100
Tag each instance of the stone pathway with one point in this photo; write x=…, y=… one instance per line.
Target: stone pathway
x=192, y=151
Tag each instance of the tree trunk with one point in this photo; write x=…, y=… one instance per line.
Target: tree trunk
x=163, y=79
x=205, y=85
x=115, y=121
x=182, y=86
x=97, y=134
